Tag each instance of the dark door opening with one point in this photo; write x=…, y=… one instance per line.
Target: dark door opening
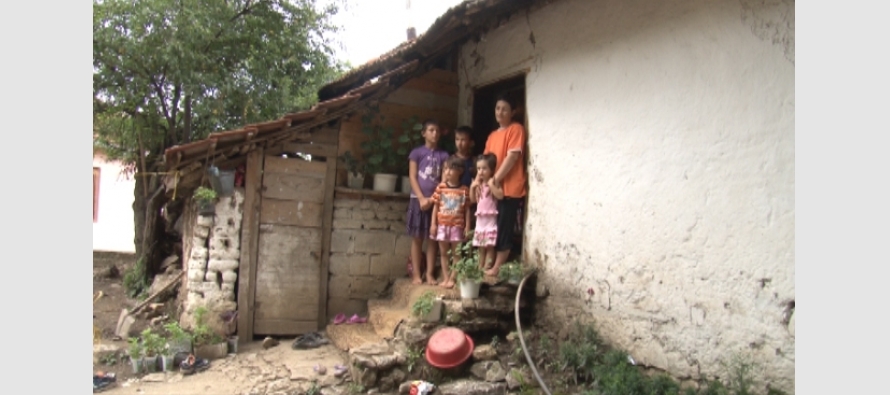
x=484, y=122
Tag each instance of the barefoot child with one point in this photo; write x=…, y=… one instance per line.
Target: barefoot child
x=486, y=197
x=451, y=214
x=425, y=171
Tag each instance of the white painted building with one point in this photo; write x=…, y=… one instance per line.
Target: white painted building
x=112, y=206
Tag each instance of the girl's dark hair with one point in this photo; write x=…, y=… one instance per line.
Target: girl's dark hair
x=456, y=163
x=429, y=121
x=489, y=159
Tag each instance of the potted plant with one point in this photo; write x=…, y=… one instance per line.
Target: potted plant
x=135, y=352
x=469, y=273
x=511, y=272
x=380, y=151
x=208, y=344
x=178, y=340
x=408, y=140
x=428, y=307
x=153, y=345
x=205, y=198
x=355, y=170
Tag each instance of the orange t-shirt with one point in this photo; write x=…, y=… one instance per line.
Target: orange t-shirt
x=453, y=204
x=499, y=143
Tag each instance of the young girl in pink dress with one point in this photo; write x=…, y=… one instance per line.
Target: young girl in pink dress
x=481, y=193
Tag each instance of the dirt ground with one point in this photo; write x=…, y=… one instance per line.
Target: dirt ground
x=253, y=370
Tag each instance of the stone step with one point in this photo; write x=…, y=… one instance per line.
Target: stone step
x=385, y=314
x=350, y=336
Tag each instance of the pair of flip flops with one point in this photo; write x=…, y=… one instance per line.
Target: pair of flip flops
x=101, y=381
x=355, y=319
x=339, y=370
x=309, y=340
x=191, y=364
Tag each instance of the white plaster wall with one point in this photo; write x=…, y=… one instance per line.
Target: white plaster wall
x=661, y=172
x=114, y=229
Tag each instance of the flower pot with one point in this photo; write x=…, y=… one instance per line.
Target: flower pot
x=212, y=351
x=385, y=182
x=232, y=344
x=222, y=181
x=435, y=314
x=406, y=184
x=183, y=345
x=167, y=364
x=136, y=363
x=206, y=208
x=469, y=289
x=150, y=364
x=355, y=181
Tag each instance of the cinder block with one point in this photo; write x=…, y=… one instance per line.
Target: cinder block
x=385, y=265
x=347, y=224
x=403, y=245
x=338, y=286
x=374, y=242
x=347, y=264
x=363, y=214
x=201, y=231
x=341, y=241
x=342, y=213
x=229, y=277
x=346, y=203
x=359, y=265
x=367, y=287
x=222, y=265
x=376, y=224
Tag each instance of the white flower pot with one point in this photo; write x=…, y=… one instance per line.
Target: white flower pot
x=355, y=181
x=385, y=182
x=406, y=184
x=469, y=289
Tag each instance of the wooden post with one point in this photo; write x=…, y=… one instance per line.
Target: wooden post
x=250, y=227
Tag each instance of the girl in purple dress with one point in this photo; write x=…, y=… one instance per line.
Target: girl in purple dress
x=425, y=172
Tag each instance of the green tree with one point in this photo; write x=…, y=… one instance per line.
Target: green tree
x=166, y=72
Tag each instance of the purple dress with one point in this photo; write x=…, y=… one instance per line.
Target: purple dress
x=429, y=175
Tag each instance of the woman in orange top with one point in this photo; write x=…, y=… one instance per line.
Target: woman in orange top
x=507, y=144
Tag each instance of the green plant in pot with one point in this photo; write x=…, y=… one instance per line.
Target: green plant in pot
x=380, y=151
x=428, y=307
x=208, y=344
x=154, y=347
x=205, y=197
x=178, y=340
x=355, y=170
x=135, y=352
x=511, y=272
x=469, y=273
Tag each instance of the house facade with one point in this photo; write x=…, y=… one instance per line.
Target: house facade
x=112, y=206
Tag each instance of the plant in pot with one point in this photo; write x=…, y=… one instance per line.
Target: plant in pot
x=178, y=340
x=511, y=272
x=380, y=151
x=208, y=344
x=469, y=273
x=408, y=140
x=205, y=198
x=355, y=170
x=135, y=351
x=154, y=347
x=428, y=307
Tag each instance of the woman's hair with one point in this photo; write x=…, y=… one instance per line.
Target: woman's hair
x=509, y=99
x=429, y=121
x=490, y=159
x=456, y=163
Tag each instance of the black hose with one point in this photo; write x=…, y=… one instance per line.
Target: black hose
x=528, y=356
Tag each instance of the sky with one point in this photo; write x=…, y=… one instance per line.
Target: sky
x=371, y=28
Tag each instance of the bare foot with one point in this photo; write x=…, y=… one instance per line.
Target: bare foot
x=492, y=272
x=416, y=281
x=448, y=284
x=431, y=279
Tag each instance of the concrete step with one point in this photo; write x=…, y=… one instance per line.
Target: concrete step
x=350, y=336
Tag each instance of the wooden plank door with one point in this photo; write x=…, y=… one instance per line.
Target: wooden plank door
x=289, y=247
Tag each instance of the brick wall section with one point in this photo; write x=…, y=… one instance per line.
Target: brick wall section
x=369, y=249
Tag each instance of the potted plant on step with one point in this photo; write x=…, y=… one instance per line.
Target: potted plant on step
x=511, y=272
x=154, y=346
x=208, y=344
x=469, y=274
x=428, y=307
x=135, y=353
x=206, y=198
x=380, y=151
x=178, y=340
x=355, y=170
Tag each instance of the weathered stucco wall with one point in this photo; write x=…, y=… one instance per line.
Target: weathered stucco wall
x=661, y=172
x=369, y=250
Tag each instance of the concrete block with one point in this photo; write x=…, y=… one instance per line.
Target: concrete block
x=392, y=215
x=367, y=204
x=385, y=265
x=346, y=203
x=204, y=221
x=347, y=264
x=341, y=241
x=403, y=245
x=197, y=264
x=359, y=265
x=199, y=253
x=229, y=277
x=367, y=287
x=342, y=213
x=347, y=224
x=210, y=276
x=376, y=224
x=201, y=231
x=195, y=275
x=222, y=265
x=374, y=242
x=338, y=286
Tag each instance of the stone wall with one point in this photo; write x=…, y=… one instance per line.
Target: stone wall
x=213, y=250
x=369, y=249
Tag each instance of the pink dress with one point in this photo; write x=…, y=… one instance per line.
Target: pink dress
x=486, y=232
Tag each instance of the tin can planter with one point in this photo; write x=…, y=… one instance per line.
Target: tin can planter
x=136, y=364
x=232, y=344
x=150, y=364
x=167, y=364
x=355, y=181
x=212, y=351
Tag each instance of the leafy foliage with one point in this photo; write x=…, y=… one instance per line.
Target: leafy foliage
x=202, y=334
x=204, y=194
x=467, y=268
x=424, y=304
x=511, y=271
x=134, y=281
